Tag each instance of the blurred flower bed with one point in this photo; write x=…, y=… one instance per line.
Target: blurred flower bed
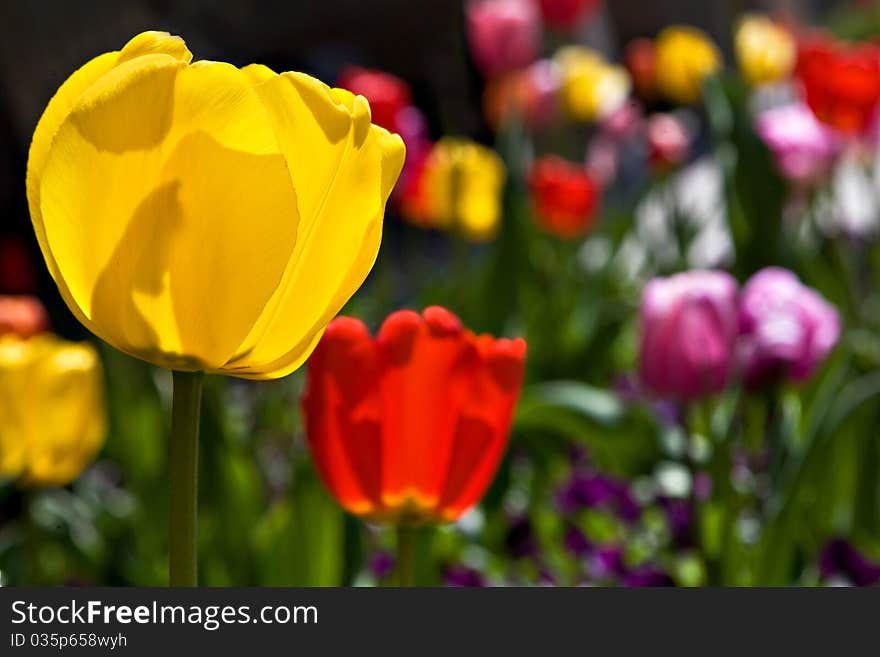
x=683, y=255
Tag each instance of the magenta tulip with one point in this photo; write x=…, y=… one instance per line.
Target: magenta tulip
x=504, y=35
x=787, y=329
x=688, y=334
x=803, y=147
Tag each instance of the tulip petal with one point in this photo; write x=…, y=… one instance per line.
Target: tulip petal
x=151, y=233
x=481, y=432
x=54, y=115
x=341, y=407
x=156, y=43
x=343, y=169
x=428, y=368
x=16, y=410
x=73, y=423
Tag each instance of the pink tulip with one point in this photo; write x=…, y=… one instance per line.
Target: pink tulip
x=688, y=333
x=504, y=35
x=804, y=148
x=787, y=329
x=668, y=141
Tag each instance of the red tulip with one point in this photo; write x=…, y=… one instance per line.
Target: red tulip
x=387, y=93
x=566, y=14
x=410, y=426
x=22, y=315
x=565, y=197
x=841, y=82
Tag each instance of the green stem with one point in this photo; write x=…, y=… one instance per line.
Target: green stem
x=184, y=457
x=406, y=556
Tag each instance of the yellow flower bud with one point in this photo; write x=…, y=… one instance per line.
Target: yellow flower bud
x=52, y=414
x=204, y=217
x=766, y=52
x=686, y=56
x=591, y=87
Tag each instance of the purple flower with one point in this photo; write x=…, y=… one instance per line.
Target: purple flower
x=803, y=147
x=607, y=562
x=679, y=517
x=504, y=35
x=577, y=543
x=647, y=576
x=839, y=558
x=381, y=564
x=787, y=329
x=688, y=333
x=588, y=490
x=463, y=576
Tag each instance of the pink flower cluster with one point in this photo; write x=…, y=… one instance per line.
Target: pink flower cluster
x=699, y=333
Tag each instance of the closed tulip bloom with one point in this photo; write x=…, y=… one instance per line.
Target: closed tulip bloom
x=688, y=334
x=52, y=414
x=410, y=426
x=668, y=141
x=504, y=35
x=23, y=316
x=840, y=82
x=803, y=147
x=787, y=329
x=765, y=50
x=203, y=217
x=567, y=14
x=686, y=56
x=564, y=196
x=459, y=188
x=592, y=89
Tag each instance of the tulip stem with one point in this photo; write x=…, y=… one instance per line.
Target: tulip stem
x=184, y=458
x=406, y=555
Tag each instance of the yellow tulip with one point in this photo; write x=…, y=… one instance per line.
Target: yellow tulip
x=203, y=217
x=592, y=89
x=52, y=415
x=766, y=52
x=686, y=56
x=463, y=183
